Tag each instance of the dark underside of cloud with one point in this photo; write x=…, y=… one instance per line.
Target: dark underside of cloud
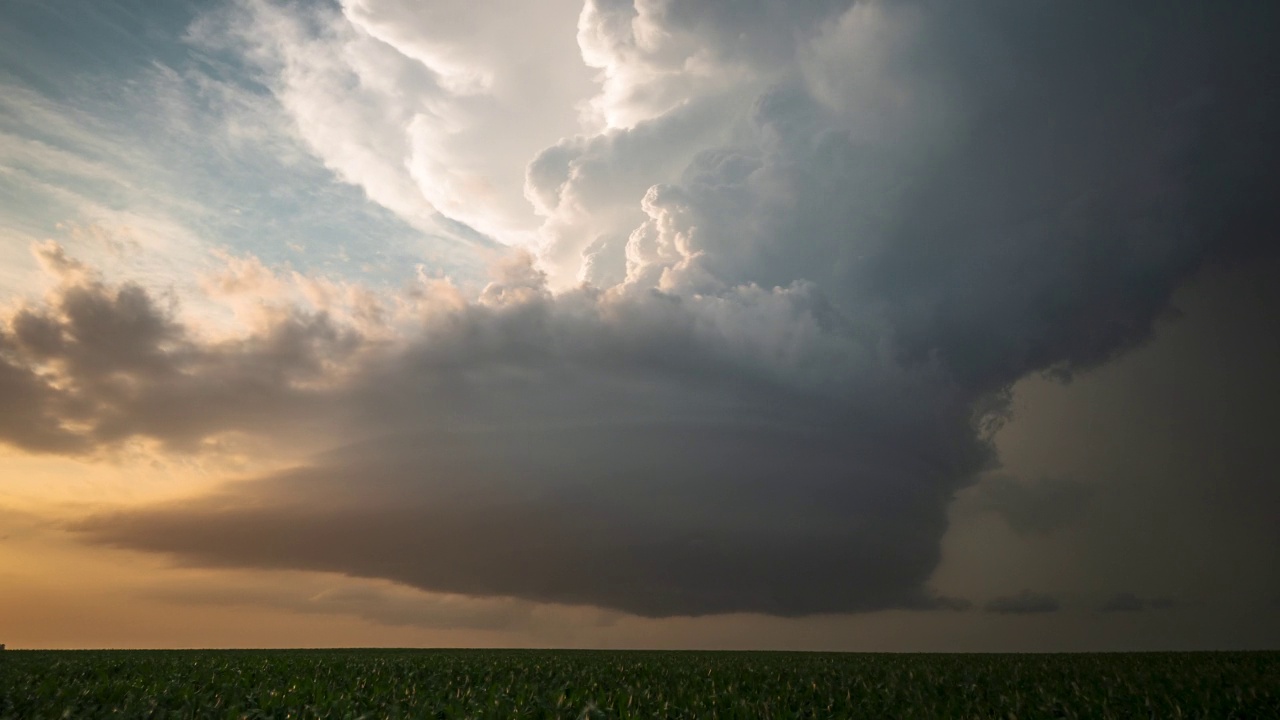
x=781, y=424
x=655, y=529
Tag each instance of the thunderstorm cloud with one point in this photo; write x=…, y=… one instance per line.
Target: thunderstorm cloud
x=781, y=292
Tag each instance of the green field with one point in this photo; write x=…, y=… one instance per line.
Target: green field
x=578, y=684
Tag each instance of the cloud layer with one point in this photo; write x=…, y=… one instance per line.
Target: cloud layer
x=577, y=448
x=820, y=243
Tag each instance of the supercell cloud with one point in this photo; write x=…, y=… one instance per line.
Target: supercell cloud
x=782, y=289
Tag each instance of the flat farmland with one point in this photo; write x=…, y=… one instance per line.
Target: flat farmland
x=632, y=684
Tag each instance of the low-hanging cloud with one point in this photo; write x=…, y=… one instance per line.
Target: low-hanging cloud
x=820, y=304
x=643, y=452
x=382, y=603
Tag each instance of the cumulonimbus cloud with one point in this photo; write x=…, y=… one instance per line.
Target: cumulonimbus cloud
x=815, y=322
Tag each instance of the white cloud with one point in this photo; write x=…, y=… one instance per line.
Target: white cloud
x=590, y=189
x=432, y=112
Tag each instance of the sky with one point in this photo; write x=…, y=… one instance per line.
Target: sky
x=869, y=325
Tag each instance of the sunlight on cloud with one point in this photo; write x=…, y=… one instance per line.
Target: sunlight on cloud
x=392, y=102
x=512, y=315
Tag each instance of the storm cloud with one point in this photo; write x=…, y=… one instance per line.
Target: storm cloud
x=817, y=266
x=1035, y=507
x=648, y=453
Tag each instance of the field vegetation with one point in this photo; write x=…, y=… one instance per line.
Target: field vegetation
x=588, y=684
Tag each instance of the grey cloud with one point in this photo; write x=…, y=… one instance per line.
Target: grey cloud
x=646, y=453
x=1061, y=253
x=952, y=603
x=1038, y=507
x=33, y=414
x=386, y=606
x=648, y=519
x=101, y=364
x=1128, y=602
x=1024, y=603
x=1176, y=440
x=1124, y=602
x=1048, y=224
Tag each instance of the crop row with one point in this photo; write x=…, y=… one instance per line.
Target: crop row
x=586, y=684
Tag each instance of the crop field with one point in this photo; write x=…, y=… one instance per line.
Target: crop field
x=605, y=684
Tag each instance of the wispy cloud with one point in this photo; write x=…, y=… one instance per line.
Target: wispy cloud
x=434, y=129
x=184, y=159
